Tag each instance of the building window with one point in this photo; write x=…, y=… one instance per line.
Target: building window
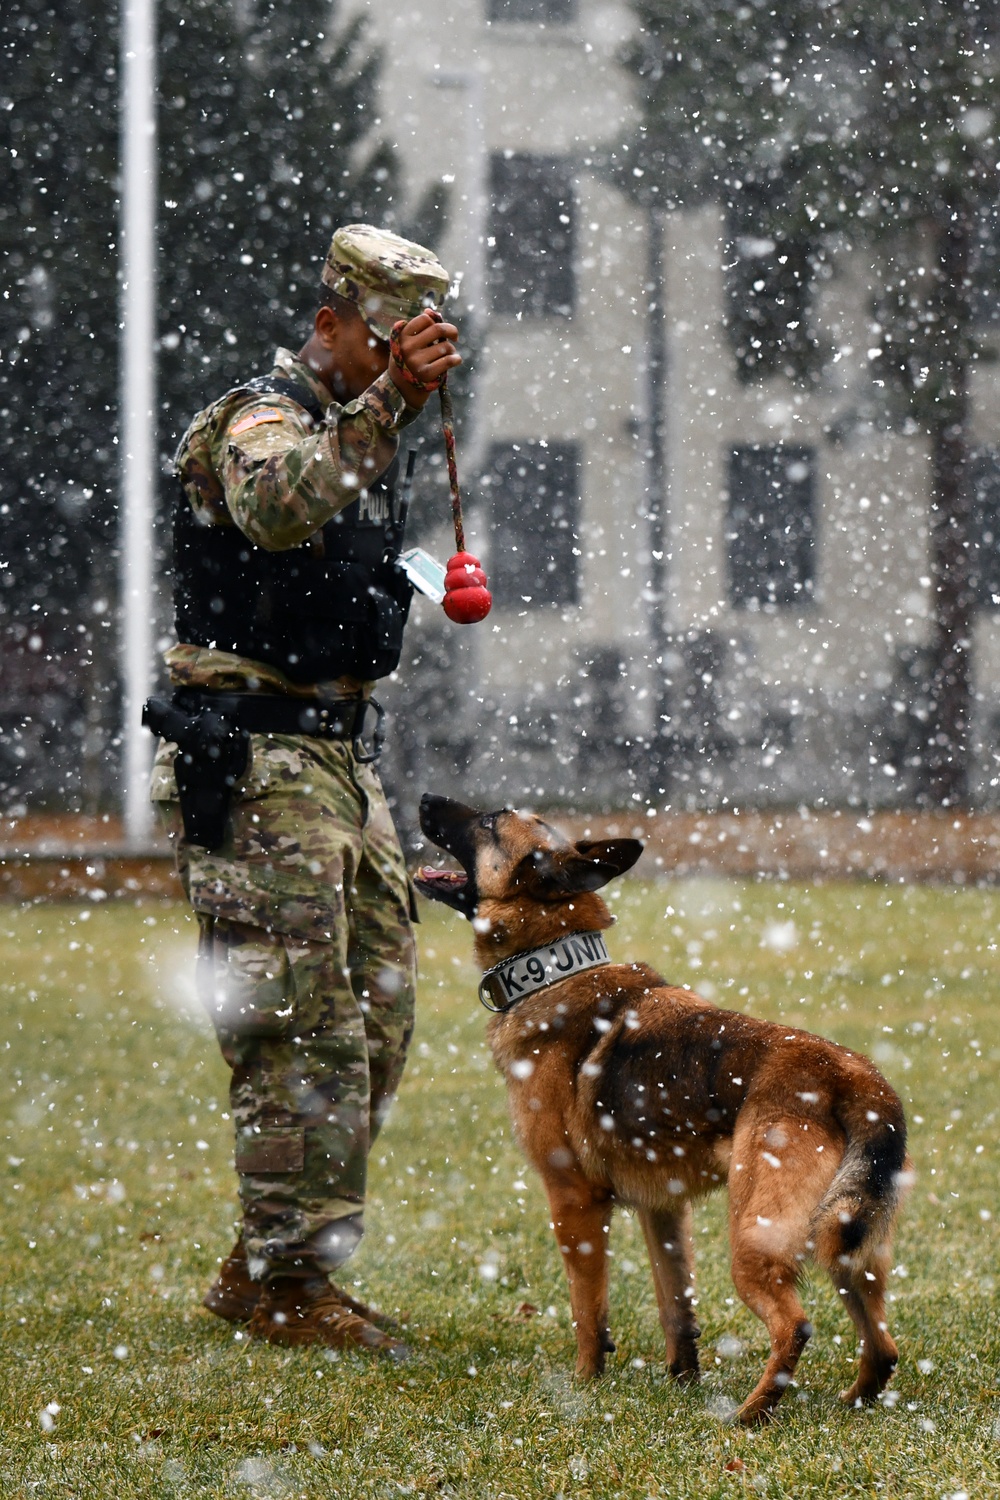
x=769, y=284
x=984, y=475
x=770, y=530
x=984, y=266
x=533, y=494
x=531, y=238
x=552, y=12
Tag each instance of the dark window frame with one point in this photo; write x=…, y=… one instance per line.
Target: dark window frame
x=771, y=526
x=526, y=511
x=984, y=268
x=769, y=291
x=984, y=526
x=531, y=252
x=531, y=12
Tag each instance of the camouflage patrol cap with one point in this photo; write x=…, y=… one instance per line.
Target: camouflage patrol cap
x=388, y=277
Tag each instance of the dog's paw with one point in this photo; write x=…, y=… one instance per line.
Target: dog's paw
x=860, y=1395
x=754, y=1415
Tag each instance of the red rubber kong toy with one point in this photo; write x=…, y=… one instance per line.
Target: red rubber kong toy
x=466, y=597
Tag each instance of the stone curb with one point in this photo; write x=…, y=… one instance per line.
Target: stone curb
x=74, y=859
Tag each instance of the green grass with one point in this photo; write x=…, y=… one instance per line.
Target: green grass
x=119, y=1198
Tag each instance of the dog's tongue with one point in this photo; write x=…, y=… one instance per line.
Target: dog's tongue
x=446, y=877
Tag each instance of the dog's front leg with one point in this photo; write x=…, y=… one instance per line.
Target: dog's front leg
x=671, y=1255
x=581, y=1217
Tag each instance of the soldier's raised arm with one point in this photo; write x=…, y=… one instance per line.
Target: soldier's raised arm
x=285, y=472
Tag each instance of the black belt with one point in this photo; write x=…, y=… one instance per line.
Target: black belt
x=269, y=713
x=212, y=734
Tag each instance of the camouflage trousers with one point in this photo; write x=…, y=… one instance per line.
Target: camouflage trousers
x=307, y=966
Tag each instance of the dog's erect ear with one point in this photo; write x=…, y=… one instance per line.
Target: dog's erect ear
x=613, y=855
x=580, y=867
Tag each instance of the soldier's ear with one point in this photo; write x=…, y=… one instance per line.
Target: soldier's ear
x=325, y=324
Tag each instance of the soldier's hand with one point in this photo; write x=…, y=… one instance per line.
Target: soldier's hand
x=428, y=350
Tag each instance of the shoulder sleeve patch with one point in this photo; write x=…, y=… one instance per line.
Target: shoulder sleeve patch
x=256, y=419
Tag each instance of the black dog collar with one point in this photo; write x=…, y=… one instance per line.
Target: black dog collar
x=505, y=984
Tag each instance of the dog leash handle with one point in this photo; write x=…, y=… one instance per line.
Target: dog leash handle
x=466, y=596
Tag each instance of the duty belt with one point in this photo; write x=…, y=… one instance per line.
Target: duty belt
x=212, y=734
x=270, y=713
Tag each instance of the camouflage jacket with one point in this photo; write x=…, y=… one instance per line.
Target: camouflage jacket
x=259, y=461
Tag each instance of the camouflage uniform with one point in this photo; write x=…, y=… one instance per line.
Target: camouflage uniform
x=307, y=960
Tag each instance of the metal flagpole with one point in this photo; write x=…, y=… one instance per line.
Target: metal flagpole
x=657, y=505
x=138, y=402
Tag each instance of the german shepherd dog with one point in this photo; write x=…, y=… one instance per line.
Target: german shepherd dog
x=625, y=1089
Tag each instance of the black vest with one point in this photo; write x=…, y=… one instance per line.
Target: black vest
x=333, y=607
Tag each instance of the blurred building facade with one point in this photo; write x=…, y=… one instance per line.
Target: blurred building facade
x=708, y=590
x=736, y=614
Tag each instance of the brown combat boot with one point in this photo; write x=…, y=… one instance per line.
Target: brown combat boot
x=233, y=1294
x=370, y=1314
x=296, y=1310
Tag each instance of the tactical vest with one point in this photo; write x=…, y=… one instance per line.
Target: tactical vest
x=333, y=607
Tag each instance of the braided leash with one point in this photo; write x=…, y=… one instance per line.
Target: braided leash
x=447, y=421
x=448, y=428
x=467, y=598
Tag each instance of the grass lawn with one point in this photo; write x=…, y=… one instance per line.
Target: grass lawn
x=119, y=1198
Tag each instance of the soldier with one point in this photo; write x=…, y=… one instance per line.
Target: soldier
x=289, y=604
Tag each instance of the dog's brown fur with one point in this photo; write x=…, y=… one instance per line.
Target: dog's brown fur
x=645, y=1094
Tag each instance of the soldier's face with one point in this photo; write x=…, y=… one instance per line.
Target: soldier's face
x=352, y=356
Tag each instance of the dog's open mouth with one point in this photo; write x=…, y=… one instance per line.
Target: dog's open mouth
x=427, y=875
x=448, y=825
x=452, y=887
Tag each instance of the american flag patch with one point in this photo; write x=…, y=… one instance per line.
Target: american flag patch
x=256, y=419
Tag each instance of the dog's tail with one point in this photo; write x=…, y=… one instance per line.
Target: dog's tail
x=856, y=1213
